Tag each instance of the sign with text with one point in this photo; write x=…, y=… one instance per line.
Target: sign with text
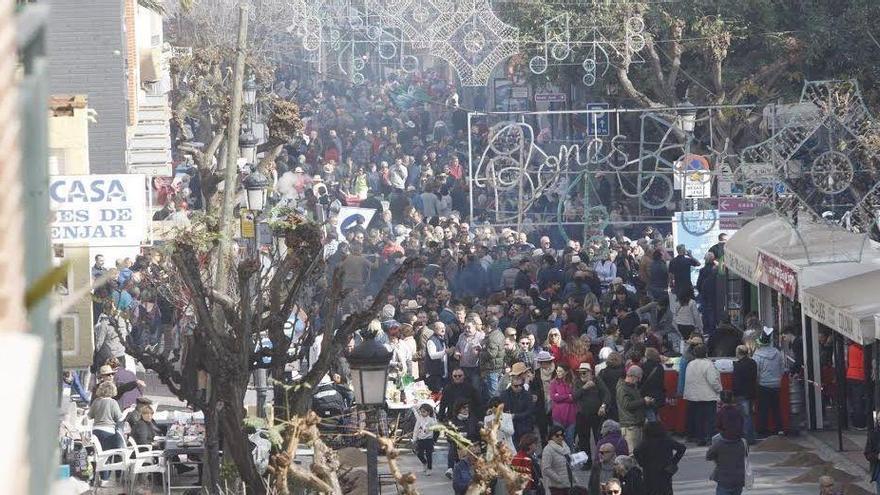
x=549, y=97
x=776, y=275
x=598, y=124
x=834, y=317
x=98, y=210
x=734, y=211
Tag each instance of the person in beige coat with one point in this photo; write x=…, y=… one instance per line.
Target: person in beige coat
x=554, y=463
x=702, y=387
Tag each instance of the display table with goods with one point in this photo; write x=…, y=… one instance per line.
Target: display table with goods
x=402, y=397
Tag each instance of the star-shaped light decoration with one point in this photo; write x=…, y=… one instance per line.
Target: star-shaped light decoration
x=821, y=162
x=473, y=40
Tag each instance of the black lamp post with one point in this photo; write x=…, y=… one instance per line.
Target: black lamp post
x=255, y=186
x=369, y=377
x=247, y=146
x=250, y=91
x=687, y=116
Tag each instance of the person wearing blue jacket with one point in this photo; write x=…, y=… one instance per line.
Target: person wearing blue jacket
x=771, y=366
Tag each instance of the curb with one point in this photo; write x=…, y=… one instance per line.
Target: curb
x=829, y=454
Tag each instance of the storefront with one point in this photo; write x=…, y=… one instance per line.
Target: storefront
x=848, y=308
x=740, y=261
x=777, y=264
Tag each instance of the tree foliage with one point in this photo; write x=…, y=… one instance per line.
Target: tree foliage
x=728, y=52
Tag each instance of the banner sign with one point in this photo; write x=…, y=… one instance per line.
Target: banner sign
x=697, y=241
x=777, y=275
x=99, y=210
x=834, y=317
x=349, y=216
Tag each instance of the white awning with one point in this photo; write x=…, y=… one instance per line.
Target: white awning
x=818, y=253
x=741, y=250
x=848, y=306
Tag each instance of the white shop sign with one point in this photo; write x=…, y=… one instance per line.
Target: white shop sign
x=833, y=317
x=99, y=210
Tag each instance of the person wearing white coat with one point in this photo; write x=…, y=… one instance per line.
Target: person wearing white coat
x=702, y=387
x=554, y=463
x=505, y=430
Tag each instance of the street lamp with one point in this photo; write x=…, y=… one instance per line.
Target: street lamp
x=369, y=377
x=250, y=91
x=255, y=186
x=687, y=116
x=247, y=146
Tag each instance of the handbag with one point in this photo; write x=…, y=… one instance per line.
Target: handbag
x=749, y=474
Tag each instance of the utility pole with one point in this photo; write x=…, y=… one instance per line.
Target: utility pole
x=230, y=185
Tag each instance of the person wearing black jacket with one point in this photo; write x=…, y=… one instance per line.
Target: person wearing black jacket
x=466, y=424
x=631, y=477
x=542, y=421
x=458, y=390
x=588, y=399
x=607, y=382
x=520, y=403
x=659, y=455
x=653, y=383
x=872, y=453
x=745, y=383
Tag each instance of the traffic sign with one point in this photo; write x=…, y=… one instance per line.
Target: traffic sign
x=598, y=124
x=728, y=204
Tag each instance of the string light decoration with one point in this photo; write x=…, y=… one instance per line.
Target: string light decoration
x=821, y=161
x=602, y=47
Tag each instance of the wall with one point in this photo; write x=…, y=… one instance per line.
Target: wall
x=87, y=55
x=69, y=155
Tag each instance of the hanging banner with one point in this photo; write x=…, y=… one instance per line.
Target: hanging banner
x=99, y=210
x=349, y=217
x=776, y=275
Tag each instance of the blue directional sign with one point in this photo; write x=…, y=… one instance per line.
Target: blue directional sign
x=598, y=124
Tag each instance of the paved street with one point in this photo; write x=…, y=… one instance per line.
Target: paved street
x=692, y=478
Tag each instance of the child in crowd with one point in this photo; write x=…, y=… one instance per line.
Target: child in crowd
x=424, y=436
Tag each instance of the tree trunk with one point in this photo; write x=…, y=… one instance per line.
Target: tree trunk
x=211, y=472
x=236, y=443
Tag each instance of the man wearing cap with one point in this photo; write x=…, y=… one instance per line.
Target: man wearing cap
x=519, y=402
x=771, y=365
x=631, y=406
x=588, y=399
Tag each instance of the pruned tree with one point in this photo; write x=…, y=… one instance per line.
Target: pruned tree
x=212, y=369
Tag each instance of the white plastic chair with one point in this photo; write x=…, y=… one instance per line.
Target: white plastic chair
x=147, y=462
x=110, y=461
x=138, y=449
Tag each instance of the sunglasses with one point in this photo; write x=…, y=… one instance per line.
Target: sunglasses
x=457, y=376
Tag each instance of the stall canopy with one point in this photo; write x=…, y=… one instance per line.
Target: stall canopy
x=819, y=254
x=741, y=250
x=848, y=306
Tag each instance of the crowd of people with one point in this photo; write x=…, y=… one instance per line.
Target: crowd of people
x=571, y=339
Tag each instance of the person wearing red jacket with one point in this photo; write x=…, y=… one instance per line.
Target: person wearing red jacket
x=855, y=385
x=525, y=463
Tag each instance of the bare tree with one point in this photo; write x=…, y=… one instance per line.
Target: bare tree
x=256, y=306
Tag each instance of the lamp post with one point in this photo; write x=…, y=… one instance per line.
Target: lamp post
x=250, y=91
x=369, y=378
x=255, y=185
x=687, y=116
x=247, y=146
